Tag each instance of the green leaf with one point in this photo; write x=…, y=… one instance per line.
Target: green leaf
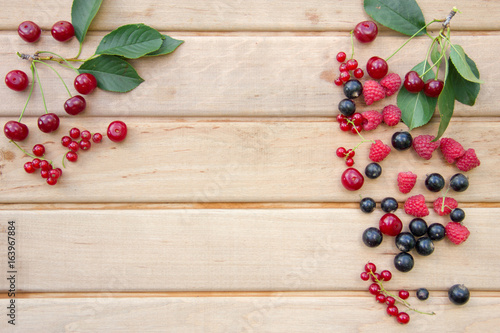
x=131, y=41
x=82, y=14
x=458, y=57
x=435, y=53
x=112, y=73
x=404, y=16
x=446, y=102
x=168, y=46
x=465, y=91
x=417, y=109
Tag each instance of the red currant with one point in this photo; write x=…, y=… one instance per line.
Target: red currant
x=345, y=126
x=85, y=145
x=349, y=162
x=29, y=168
x=74, y=133
x=16, y=80
x=15, y=131
x=365, y=31
x=376, y=276
x=380, y=298
x=48, y=122
x=370, y=267
x=403, y=318
x=36, y=163
x=338, y=82
x=413, y=83
x=62, y=31
x=352, y=179
x=341, y=152
x=341, y=56
x=357, y=119
x=386, y=275
x=352, y=64
x=85, y=135
x=374, y=289
x=389, y=300
x=345, y=76
x=356, y=129
x=74, y=146
x=433, y=88
x=377, y=68
x=45, y=174
x=29, y=31
x=351, y=153
x=66, y=140
x=364, y=276
x=358, y=73
x=392, y=310
x=71, y=156
x=74, y=105
x=404, y=294
x=343, y=67
x=54, y=173
x=341, y=118
x=51, y=181
x=45, y=165
x=85, y=83
x=38, y=150
x=117, y=131
x=97, y=137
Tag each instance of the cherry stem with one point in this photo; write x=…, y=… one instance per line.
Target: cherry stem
x=446, y=22
x=29, y=154
x=59, y=60
x=352, y=44
x=57, y=73
x=31, y=91
x=40, y=85
x=79, y=51
x=413, y=36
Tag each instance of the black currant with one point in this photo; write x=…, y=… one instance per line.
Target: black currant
x=373, y=170
x=372, y=237
x=459, y=294
x=401, y=140
x=459, y=182
x=434, y=182
x=418, y=227
x=403, y=262
x=424, y=246
x=389, y=205
x=436, y=231
x=405, y=242
x=347, y=107
x=422, y=294
x=367, y=205
x=353, y=89
x=457, y=215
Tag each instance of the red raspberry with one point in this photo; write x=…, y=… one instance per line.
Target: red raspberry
x=372, y=91
x=379, y=151
x=468, y=161
x=451, y=149
x=416, y=206
x=391, y=82
x=371, y=120
x=424, y=146
x=449, y=205
x=456, y=232
x=406, y=181
x=392, y=115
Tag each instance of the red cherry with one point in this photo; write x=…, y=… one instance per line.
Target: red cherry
x=117, y=131
x=433, y=88
x=15, y=131
x=352, y=179
x=365, y=31
x=85, y=83
x=48, y=122
x=62, y=31
x=29, y=31
x=390, y=224
x=75, y=105
x=16, y=80
x=377, y=68
x=413, y=83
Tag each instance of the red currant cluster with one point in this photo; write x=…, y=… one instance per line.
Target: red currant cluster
x=352, y=123
x=345, y=69
x=347, y=155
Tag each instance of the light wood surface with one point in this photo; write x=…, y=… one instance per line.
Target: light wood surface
x=223, y=211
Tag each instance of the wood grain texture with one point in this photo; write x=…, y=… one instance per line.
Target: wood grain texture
x=258, y=76
x=235, y=160
x=248, y=314
x=233, y=250
x=230, y=15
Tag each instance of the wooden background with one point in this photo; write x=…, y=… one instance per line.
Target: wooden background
x=223, y=209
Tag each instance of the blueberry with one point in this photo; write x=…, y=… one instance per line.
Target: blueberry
x=459, y=182
x=424, y=246
x=457, y=215
x=418, y=227
x=373, y=170
x=401, y=140
x=372, y=237
x=389, y=205
x=436, y=231
x=422, y=294
x=353, y=89
x=347, y=107
x=403, y=262
x=367, y=205
x=434, y=182
x=405, y=242
x=459, y=294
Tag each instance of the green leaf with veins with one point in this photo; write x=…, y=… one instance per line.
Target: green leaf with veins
x=404, y=16
x=446, y=101
x=459, y=59
x=82, y=14
x=466, y=92
x=168, y=45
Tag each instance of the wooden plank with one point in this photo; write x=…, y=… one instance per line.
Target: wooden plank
x=205, y=160
x=232, y=75
x=199, y=15
x=232, y=250
x=248, y=314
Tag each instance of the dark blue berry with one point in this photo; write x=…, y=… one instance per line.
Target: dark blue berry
x=436, y=231
x=401, y=140
x=373, y=170
x=353, y=89
x=403, y=262
x=405, y=242
x=347, y=107
x=424, y=246
x=367, y=205
x=459, y=294
x=434, y=182
x=459, y=182
x=457, y=215
x=418, y=227
x=372, y=237
x=422, y=294
x=389, y=205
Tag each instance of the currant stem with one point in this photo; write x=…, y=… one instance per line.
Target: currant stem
x=31, y=92
x=29, y=154
x=40, y=85
x=57, y=73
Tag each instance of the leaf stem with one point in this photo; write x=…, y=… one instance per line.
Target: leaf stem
x=79, y=51
x=40, y=85
x=29, y=154
x=31, y=91
x=57, y=73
